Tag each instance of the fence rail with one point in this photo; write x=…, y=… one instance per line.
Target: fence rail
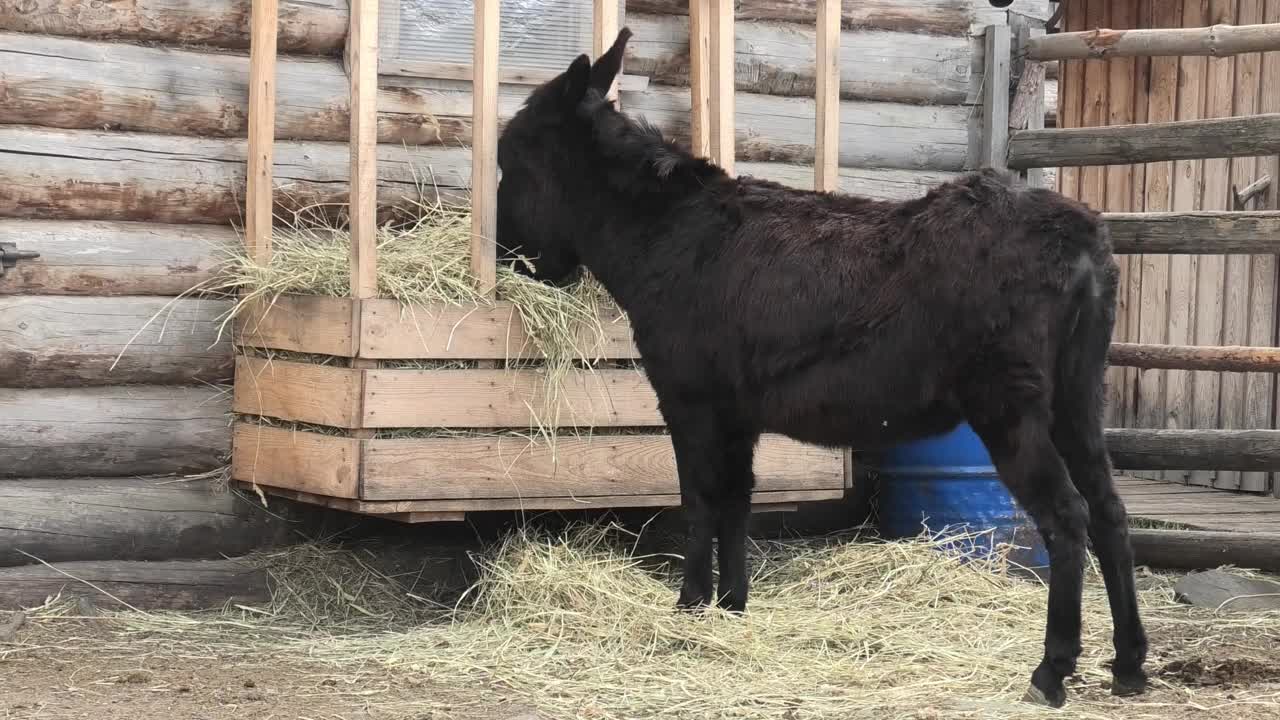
x=1195, y=233
x=1217, y=40
x=1232, y=358
x=1242, y=450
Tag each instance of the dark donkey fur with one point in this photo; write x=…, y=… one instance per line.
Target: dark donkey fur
x=838, y=321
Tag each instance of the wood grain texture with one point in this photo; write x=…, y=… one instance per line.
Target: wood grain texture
x=470, y=468
x=1222, y=39
x=1184, y=357
x=297, y=391
x=99, y=258
x=63, y=520
x=86, y=175
x=932, y=17
x=501, y=398
x=865, y=182
x=1201, y=550
x=115, y=431
x=826, y=175
x=295, y=459
x=699, y=76
x=263, y=21
x=298, y=323
x=53, y=341
x=1194, y=449
x=484, y=147
x=722, y=77
x=165, y=585
x=363, y=138
x=995, y=98
x=1204, y=232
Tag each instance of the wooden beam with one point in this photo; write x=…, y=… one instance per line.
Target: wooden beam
x=827, y=70
x=262, y=123
x=363, y=203
x=1254, y=135
x=1244, y=195
x=484, y=149
x=1198, y=233
x=1203, y=550
x=1184, y=357
x=1141, y=449
x=995, y=98
x=167, y=585
x=723, y=130
x=1217, y=41
x=700, y=77
x=604, y=30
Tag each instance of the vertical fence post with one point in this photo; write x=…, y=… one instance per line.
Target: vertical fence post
x=262, y=120
x=826, y=166
x=484, y=147
x=363, y=203
x=723, y=150
x=604, y=30
x=700, y=77
x=995, y=98
x=1026, y=109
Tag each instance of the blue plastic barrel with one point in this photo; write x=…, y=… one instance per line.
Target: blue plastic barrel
x=948, y=483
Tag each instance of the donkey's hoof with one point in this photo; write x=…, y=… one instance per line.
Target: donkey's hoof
x=1054, y=699
x=1129, y=684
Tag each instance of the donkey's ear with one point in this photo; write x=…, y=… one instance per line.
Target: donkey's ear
x=575, y=80
x=609, y=64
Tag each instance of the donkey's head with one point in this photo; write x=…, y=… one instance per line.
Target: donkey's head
x=548, y=189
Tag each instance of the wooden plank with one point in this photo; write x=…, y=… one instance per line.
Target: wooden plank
x=1142, y=449
x=1093, y=180
x=113, y=431
x=392, y=507
x=308, y=27
x=872, y=183
x=83, y=175
x=1202, y=550
x=298, y=323
x=930, y=17
x=1144, y=16
x=1186, y=357
x=1202, y=232
x=1220, y=40
x=167, y=585
x=297, y=392
x=827, y=95
x=363, y=204
x=109, y=259
x=721, y=80
x=53, y=341
x=1071, y=99
x=699, y=78
x=296, y=459
x=995, y=98
x=615, y=465
x=604, y=30
x=484, y=149
x=262, y=123
x=63, y=520
x=1181, y=140
x=502, y=398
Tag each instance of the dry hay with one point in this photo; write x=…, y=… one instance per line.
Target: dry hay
x=580, y=626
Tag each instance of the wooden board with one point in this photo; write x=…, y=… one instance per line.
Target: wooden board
x=1195, y=232
x=52, y=341
x=110, y=258
x=396, y=398
x=933, y=17
x=167, y=585
x=258, y=203
x=298, y=323
x=472, y=468
x=87, y=175
x=1194, y=449
x=64, y=520
x=116, y=431
x=298, y=392
x=298, y=460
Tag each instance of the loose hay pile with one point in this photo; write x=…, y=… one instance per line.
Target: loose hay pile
x=580, y=627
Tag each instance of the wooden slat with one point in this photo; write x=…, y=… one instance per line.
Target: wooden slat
x=1181, y=140
x=1143, y=16
x=364, y=140
x=1142, y=449
x=298, y=392
x=501, y=398
x=1071, y=98
x=52, y=341
x=700, y=77
x=1121, y=110
x=995, y=98
x=108, y=258
x=1219, y=41
x=1186, y=357
x=604, y=30
x=827, y=95
x=262, y=122
x=298, y=323
x=113, y=431
x=1206, y=232
x=484, y=149
x=1093, y=180
x=295, y=459
x=723, y=135
x=467, y=468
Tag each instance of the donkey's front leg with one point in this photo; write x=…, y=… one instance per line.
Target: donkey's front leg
x=692, y=435
x=737, y=450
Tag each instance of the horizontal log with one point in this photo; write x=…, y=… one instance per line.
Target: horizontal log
x=305, y=26
x=52, y=341
x=63, y=520
x=1245, y=450
x=76, y=84
x=86, y=175
x=113, y=432
x=1203, y=550
x=113, y=258
x=777, y=59
x=1217, y=40
x=1184, y=357
x=167, y=585
x=865, y=182
x=1249, y=136
x=934, y=17
x=1197, y=233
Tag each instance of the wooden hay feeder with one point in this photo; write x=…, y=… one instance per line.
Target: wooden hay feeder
x=350, y=462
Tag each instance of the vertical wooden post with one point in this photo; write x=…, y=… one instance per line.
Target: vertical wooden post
x=995, y=99
x=364, y=148
x=1026, y=109
x=484, y=147
x=262, y=120
x=826, y=166
x=700, y=76
x=722, y=76
x=604, y=30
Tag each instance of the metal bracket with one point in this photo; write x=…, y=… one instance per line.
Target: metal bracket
x=10, y=255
